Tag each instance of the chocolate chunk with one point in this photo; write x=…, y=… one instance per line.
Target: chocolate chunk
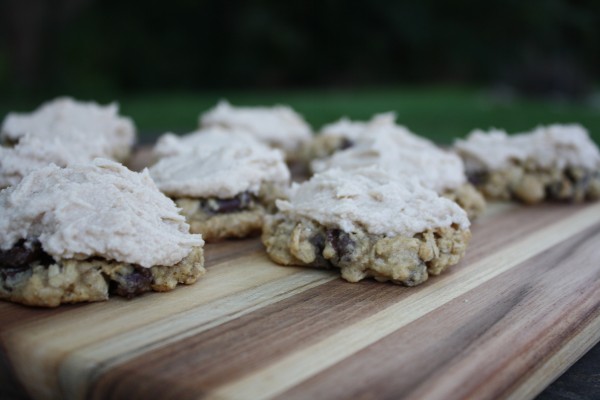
x=221, y=206
x=318, y=242
x=346, y=144
x=236, y=203
x=130, y=285
x=23, y=254
x=477, y=178
x=9, y=142
x=342, y=243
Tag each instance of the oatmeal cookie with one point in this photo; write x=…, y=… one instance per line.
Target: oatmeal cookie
x=278, y=126
x=224, y=191
x=44, y=282
x=367, y=224
x=341, y=135
x=79, y=233
x=64, y=132
x=405, y=155
x=556, y=162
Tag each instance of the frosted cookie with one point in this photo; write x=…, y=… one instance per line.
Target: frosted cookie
x=343, y=134
x=62, y=132
x=404, y=155
x=367, y=224
x=80, y=233
x=554, y=162
x=205, y=139
x=278, y=126
x=87, y=121
x=224, y=191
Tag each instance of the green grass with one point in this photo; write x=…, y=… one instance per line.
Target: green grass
x=440, y=113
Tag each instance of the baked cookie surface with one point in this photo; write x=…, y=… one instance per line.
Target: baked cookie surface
x=367, y=224
x=80, y=233
x=555, y=162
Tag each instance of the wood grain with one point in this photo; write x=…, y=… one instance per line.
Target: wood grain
x=522, y=306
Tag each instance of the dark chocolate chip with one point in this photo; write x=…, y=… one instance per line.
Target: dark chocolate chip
x=346, y=144
x=9, y=142
x=130, y=285
x=553, y=189
x=221, y=206
x=238, y=202
x=318, y=242
x=342, y=243
x=23, y=254
x=477, y=178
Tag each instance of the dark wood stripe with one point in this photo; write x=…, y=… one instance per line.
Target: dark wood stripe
x=16, y=315
x=10, y=387
x=229, y=351
x=483, y=319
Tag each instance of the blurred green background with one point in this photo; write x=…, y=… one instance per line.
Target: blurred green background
x=445, y=67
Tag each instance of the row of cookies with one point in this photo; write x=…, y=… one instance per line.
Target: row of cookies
x=384, y=202
x=383, y=208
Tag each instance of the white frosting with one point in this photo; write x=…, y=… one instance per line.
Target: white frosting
x=401, y=154
x=95, y=209
x=206, y=139
x=354, y=130
x=373, y=200
x=277, y=126
x=32, y=153
x=221, y=172
x=549, y=146
x=82, y=121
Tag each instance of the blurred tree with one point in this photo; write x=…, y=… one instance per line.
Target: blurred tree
x=81, y=46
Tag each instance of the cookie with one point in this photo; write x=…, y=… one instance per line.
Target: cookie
x=278, y=126
x=551, y=163
x=368, y=224
x=405, y=155
x=80, y=233
x=63, y=132
x=224, y=191
x=341, y=135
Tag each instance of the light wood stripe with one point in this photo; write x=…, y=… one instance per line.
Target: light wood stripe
x=278, y=377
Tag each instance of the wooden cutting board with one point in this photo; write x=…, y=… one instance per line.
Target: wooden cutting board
x=522, y=306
